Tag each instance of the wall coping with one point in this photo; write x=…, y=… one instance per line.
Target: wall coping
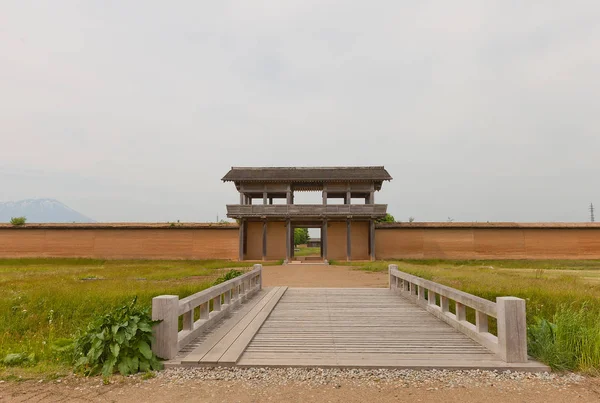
x=398, y=225
x=541, y=225
x=120, y=225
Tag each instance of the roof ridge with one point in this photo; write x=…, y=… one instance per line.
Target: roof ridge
x=307, y=167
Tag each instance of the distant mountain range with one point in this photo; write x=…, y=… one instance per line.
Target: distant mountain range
x=40, y=211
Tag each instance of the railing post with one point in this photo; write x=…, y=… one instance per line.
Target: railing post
x=431, y=297
x=259, y=266
x=481, y=322
x=461, y=312
x=392, y=280
x=166, y=309
x=512, y=329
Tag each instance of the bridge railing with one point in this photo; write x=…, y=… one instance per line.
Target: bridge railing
x=510, y=344
x=213, y=303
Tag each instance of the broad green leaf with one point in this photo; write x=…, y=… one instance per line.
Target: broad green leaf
x=123, y=367
x=114, y=349
x=145, y=349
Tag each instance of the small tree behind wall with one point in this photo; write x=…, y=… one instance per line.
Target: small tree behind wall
x=388, y=218
x=300, y=236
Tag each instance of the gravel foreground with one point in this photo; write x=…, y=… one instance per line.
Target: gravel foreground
x=311, y=384
x=261, y=377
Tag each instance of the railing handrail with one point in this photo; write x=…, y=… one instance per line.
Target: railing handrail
x=214, y=303
x=470, y=300
x=511, y=342
x=197, y=299
x=290, y=209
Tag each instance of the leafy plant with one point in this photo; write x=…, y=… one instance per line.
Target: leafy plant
x=18, y=220
x=233, y=273
x=119, y=340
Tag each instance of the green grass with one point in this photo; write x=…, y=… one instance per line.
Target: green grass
x=43, y=300
x=305, y=251
x=563, y=293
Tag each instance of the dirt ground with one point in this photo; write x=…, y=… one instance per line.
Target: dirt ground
x=307, y=275
x=135, y=390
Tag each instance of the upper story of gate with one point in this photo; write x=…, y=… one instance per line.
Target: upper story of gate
x=271, y=183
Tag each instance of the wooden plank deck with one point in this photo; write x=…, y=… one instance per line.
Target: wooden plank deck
x=339, y=327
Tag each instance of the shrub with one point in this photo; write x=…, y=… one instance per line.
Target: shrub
x=233, y=273
x=119, y=340
x=18, y=220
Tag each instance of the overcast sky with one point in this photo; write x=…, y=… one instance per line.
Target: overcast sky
x=133, y=111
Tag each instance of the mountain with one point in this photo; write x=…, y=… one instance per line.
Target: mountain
x=40, y=211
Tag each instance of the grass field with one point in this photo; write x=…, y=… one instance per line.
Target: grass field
x=43, y=300
x=563, y=300
x=305, y=251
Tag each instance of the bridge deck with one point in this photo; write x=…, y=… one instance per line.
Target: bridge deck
x=338, y=327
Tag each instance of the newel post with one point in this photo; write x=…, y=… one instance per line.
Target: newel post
x=512, y=329
x=392, y=278
x=165, y=308
x=259, y=266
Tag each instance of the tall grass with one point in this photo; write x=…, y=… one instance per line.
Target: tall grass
x=44, y=300
x=563, y=300
x=571, y=340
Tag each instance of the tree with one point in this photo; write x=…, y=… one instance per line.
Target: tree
x=388, y=218
x=300, y=236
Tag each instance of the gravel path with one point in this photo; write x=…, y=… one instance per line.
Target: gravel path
x=304, y=384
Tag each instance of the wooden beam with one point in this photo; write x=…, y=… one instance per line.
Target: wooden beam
x=288, y=237
x=324, y=240
x=348, y=240
x=241, y=240
x=372, y=239
x=264, y=241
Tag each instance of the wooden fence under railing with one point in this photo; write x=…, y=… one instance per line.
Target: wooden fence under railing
x=510, y=344
x=213, y=304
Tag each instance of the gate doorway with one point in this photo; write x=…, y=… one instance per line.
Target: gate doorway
x=307, y=244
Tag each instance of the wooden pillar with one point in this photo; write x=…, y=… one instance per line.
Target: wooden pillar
x=242, y=198
x=264, y=241
x=241, y=239
x=372, y=197
x=165, y=309
x=288, y=238
x=325, y=194
x=324, y=240
x=270, y=200
x=348, y=240
x=512, y=329
x=372, y=239
x=348, y=197
x=265, y=199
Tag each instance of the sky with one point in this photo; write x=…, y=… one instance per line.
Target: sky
x=134, y=111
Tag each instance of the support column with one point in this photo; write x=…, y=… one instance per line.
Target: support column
x=348, y=240
x=241, y=239
x=372, y=239
x=265, y=198
x=324, y=241
x=325, y=194
x=288, y=237
x=264, y=241
x=270, y=200
x=242, y=198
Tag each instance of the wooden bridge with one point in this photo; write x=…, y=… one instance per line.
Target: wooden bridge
x=414, y=323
